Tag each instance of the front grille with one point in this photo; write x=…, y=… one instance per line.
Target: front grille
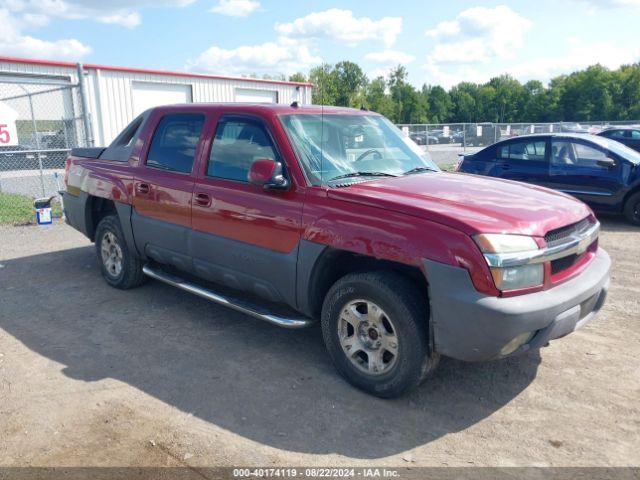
x=560, y=235
x=563, y=235
x=563, y=263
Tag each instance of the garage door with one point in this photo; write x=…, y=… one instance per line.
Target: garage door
x=249, y=95
x=147, y=95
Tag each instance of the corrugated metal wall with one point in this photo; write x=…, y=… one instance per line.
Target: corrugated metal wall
x=110, y=99
x=110, y=93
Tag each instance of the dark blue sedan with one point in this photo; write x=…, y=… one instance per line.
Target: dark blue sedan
x=601, y=172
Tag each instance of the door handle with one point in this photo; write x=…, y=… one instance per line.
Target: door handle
x=203, y=199
x=143, y=188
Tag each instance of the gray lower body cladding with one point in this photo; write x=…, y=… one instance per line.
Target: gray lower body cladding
x=470, y=326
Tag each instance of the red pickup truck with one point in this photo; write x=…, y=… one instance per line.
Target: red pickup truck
x=296, y=213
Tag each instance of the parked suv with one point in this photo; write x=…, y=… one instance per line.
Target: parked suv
x=599, y=171
x=295, y=214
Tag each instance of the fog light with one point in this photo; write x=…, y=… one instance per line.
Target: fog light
x=514, y=344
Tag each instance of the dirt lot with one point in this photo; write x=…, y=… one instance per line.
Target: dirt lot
x=90, y=375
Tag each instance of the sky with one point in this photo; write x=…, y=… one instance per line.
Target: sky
x=440, y=43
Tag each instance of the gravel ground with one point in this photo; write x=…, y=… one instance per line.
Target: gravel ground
x=90, y=375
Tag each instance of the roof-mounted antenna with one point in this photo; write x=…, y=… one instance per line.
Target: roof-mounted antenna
x=295, y=104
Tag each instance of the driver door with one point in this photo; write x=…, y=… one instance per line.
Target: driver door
x=244, y=236
x=578, y=167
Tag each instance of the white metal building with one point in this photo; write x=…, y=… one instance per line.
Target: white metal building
x=115, y=95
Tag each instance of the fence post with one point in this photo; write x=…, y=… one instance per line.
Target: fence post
x=464, y=137
x=37, y=138
x=88, y=134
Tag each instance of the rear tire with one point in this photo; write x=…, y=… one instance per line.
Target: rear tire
x=120, y=267
x=632, y=209
x=375, y=328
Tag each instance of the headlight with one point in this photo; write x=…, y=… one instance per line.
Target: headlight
x=511, y=277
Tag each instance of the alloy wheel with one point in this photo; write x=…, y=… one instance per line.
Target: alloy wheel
x=368, y=337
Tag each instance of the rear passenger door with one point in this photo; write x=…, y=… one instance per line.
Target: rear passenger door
x=523, y=160
x=244, y=236
x=163, y=187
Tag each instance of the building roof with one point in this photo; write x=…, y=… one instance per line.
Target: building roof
x=147, y=71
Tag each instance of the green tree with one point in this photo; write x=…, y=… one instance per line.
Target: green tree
x=594, y=93
x=407, y=105
x=325, y=91
x=377, y=99
x=439, y=105
x=508, y=98
x=298, y=77
x=463, y=99
x=350, y=82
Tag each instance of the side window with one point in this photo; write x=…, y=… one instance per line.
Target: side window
x=617, y=134
x=576, y=154
x=237, y=144
x=503, y=152
x=587, y=156
x=535, y=151
x=635, y=134
x=127, y=136
x=174, y=143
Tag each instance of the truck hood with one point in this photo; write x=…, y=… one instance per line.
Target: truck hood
x=470, y=203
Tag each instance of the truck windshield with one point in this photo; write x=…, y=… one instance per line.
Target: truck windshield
x=333, y=146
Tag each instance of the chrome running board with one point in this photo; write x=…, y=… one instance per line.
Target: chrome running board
x=281, y=321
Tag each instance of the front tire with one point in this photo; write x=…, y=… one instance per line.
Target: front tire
x=632, y=209
x=375, y=328
x=120, y=267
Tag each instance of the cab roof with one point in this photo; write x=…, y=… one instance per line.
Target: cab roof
x=273, y=108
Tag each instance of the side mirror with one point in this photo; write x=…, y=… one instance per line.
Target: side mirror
x=267, y=173
x=607, y=163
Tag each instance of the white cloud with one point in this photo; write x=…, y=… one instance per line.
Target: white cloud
x=379, y=72
x=611, y=3
x=14, y=42
x=390, y=57
x=236, y=8
x=342, y=26
x=17, y=17
x=478, y=34
x=579, y=55
x=120, y=12
x=446, y=28
x=270, y=58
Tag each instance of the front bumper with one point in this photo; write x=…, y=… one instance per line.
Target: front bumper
x=470, y=326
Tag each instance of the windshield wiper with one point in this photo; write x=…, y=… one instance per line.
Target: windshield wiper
x=419, y=169
x=362, y=174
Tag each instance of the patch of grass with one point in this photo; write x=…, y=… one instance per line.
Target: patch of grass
x=448, y=167
x=18, y=209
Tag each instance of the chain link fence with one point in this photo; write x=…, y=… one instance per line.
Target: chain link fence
x=445, y=142
x=40, y=121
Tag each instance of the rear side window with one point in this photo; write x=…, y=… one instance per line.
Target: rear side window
x=535, y=151
x=129, y=133
x=237, y=144
x=174, y=143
